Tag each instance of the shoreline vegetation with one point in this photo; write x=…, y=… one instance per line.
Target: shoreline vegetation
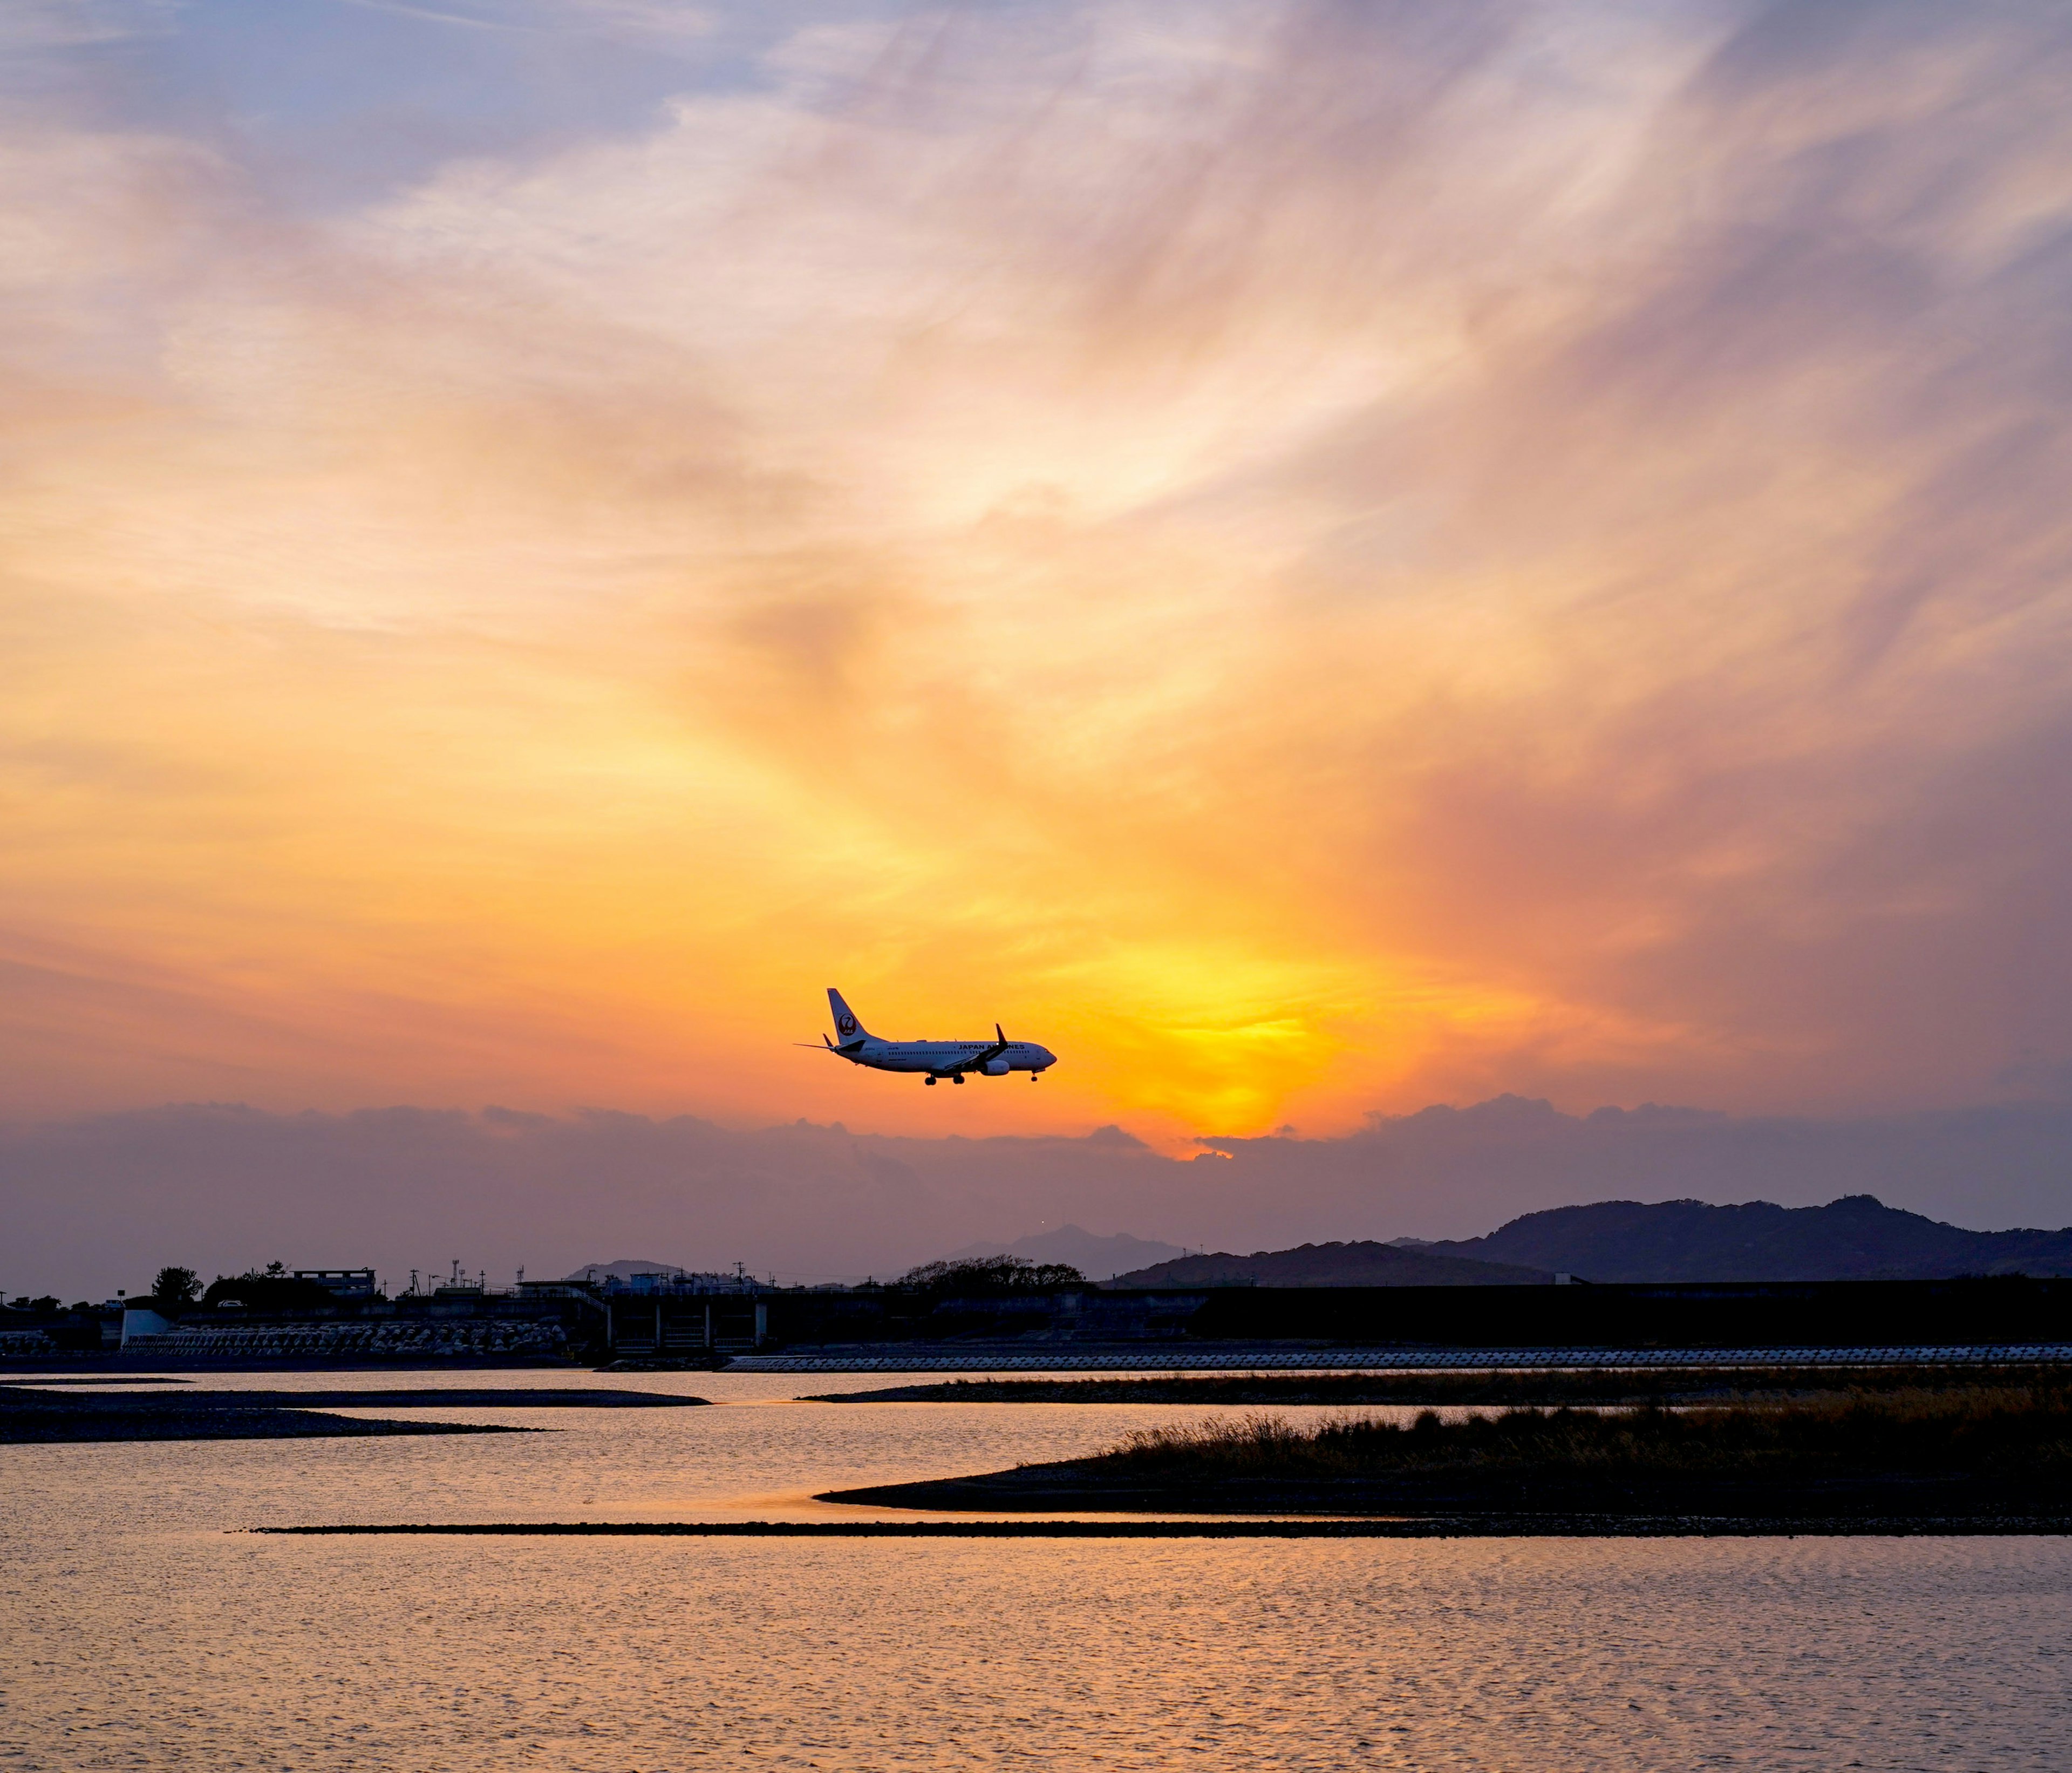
x=1460, y=1527
x=30, y=1417
x=1463, y=1388
x=1980, y=1453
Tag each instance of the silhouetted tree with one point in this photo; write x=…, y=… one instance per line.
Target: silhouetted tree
x=269, y=1289
x=992, y=1274
x=176, y=1285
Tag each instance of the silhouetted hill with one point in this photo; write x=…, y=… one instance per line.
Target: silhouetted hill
x=1095, y=1257
x=623, y=1269
x=1855, y=1238
x=1334, y=1264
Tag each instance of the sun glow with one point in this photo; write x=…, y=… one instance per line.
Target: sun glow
x=1301, y=575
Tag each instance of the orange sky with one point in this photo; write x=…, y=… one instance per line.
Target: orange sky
x=1311, y=560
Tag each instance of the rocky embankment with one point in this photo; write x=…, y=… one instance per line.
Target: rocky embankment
x=356, y=1339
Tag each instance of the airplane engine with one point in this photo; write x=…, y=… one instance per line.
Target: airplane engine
x=997, y=1068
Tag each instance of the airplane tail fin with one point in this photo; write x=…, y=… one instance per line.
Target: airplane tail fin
x=848, y=1031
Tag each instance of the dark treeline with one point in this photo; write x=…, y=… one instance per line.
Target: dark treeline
x=990, y=1274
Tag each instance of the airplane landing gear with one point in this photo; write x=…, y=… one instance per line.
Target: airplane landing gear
x=929, y=1081
x=958, y=1079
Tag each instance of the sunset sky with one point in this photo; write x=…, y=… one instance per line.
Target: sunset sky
x=1314, y=558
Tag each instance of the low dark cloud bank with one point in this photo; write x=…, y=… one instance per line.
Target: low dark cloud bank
x=100, y=1202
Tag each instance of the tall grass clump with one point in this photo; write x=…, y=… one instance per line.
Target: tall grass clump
x=2023, y=1430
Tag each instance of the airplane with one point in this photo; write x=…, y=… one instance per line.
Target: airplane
x=935, y=1059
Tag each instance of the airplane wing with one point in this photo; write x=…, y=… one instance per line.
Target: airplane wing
x=979, y=1060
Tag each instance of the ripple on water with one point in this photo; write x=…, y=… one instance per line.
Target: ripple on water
x=140, y=1633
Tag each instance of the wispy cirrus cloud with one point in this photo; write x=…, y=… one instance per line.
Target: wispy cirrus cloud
x=1324, y=554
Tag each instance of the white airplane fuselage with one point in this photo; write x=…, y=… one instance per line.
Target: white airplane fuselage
x=933, y=1059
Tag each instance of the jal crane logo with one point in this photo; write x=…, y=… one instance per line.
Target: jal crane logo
x=934, y=1059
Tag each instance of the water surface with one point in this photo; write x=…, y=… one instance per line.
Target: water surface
x=138, y=1629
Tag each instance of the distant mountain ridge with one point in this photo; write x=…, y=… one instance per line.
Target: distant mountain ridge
x=1336, y=1264
x=1855, y=1238
x=1096, y=1257
x=623, y=1269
